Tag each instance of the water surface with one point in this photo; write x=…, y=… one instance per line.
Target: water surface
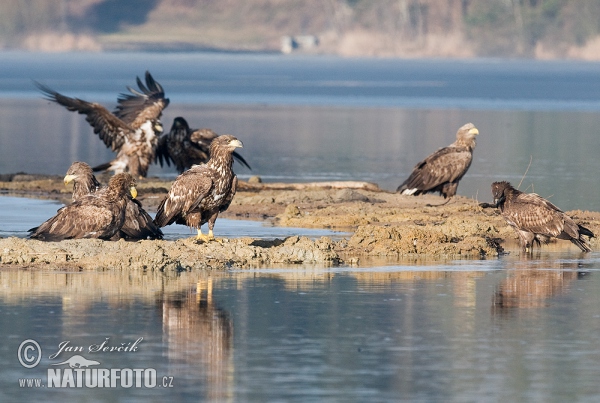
x=507, y=330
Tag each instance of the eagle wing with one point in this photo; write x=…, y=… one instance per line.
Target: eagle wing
x=227, y=201
x=82, y=219
x=185, y=195
x=198, y=150
x=162, y=155
x=138, y=224
x=447, y=164
x=531, y=212
x=111, y=130
x=143, y=105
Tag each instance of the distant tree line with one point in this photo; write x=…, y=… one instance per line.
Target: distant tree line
x=490, y=27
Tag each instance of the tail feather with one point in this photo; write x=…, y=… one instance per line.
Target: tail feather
x=584, y=231
x=102, y=167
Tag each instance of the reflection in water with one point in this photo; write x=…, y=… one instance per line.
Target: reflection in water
x=297, y=334
x=532, y=286
x=199, y=336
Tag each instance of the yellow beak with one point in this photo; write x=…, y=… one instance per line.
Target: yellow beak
x=474, y=131
x=236, y=143
x=69, y=178
x=133, y=192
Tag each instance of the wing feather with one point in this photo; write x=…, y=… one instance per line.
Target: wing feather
x=111, y=130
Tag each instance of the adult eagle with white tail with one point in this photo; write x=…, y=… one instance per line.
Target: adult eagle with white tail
x=132, y=129
x=199, y=194
x=442, y=170
x=535, y=219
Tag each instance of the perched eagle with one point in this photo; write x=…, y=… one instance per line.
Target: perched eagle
x=187, y=147
x=133, y=128
x=535, y=219
x=138, y=223
x=199, y=194
x=97, y=215
x=84, y=181
x=442, y=170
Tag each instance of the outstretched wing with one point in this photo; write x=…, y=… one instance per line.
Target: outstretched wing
x=111, y=130
x=447, y=164
x=186, y=193
x=143, y=105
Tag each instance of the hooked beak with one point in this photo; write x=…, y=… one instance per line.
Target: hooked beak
x=474, y=131
x=133, y=191
x=69, y=178
x=236, y=143
x=158, y=127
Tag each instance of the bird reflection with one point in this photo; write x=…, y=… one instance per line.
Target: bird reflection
x=199, y=336
x=532, y=287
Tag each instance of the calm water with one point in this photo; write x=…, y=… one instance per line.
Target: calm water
x=507, y=329
x=324, y=118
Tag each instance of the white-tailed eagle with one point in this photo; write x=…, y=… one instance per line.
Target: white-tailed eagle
x=186, y=147
x=131, y=131
x=535, y=219
x=199, y=194
x=442, y=170
x=138, y=223
x=96, y=215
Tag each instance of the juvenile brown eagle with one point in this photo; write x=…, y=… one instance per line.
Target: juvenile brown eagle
x=138, y=223
x=186, y=147
x=100, y=215
x=133, y=128
x=535, y=219
x=199, y=194
x=442, y=170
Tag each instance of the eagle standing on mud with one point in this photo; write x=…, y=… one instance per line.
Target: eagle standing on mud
x=442, y=170
x=187, y=147
x=138, y=223
x=535, y=219
x=100, y=215
x=199, y=194
x=133, y=128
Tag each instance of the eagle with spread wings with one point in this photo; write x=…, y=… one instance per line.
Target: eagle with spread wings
x=131, y=130
x=138, y=223
x=186, y=147
x=535, y=219
x=442, y=170
x=96, y=215
x=198, y=195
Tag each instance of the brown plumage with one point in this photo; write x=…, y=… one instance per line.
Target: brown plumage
x=186, y=147
x=97, y=215
x=535, y=219
x=83, y=178
x=199, y=194
x=137, y=225
x=442, y=170
x=131, y=130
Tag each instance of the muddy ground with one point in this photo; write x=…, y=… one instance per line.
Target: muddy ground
x=383, y=225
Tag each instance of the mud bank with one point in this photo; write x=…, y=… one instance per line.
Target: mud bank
x=382, y=224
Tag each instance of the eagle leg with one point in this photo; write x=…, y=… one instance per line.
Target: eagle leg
x=205, y=238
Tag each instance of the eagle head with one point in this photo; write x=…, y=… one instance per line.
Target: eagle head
x=76, y=170
x=466, y=135
x=227, y=141
x=499, y=191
